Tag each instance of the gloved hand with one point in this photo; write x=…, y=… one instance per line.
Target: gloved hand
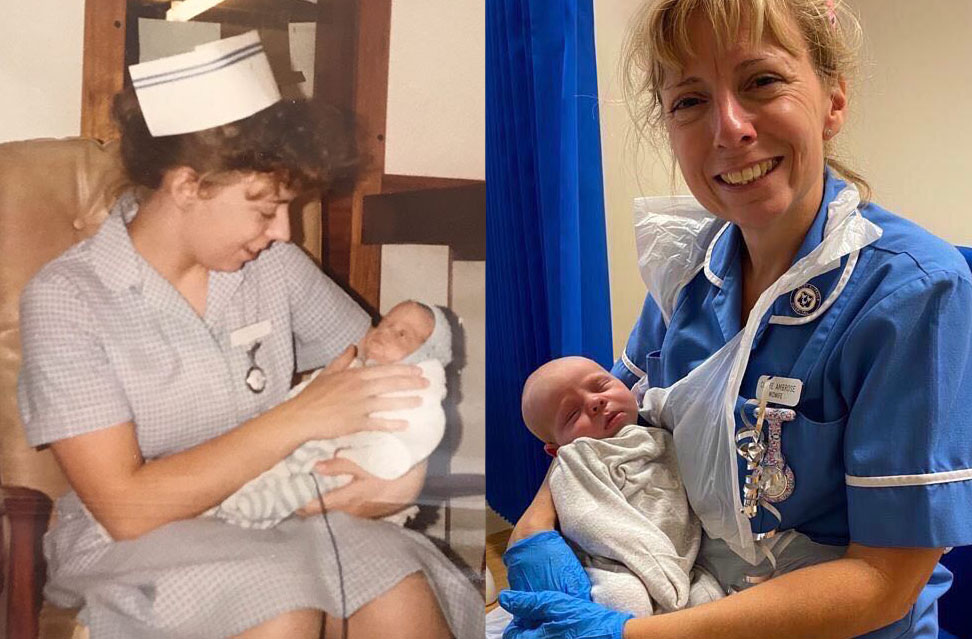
x=544, y=562
x=554, y=615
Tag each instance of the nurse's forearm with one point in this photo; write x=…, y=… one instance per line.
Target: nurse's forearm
x=539, y=516
x=130, y=496
x=838, y=599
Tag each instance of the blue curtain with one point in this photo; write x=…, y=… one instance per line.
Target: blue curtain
x=546, y=265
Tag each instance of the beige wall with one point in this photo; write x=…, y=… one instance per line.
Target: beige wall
x=910, y=131
x=40, y=68
x=436, y=89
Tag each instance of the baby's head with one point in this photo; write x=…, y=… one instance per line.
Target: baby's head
x=574, y=397
x=410, y=331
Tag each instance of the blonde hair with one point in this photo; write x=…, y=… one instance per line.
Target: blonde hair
x=659, y=38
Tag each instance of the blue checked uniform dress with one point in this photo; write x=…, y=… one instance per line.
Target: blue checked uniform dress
x=881, y=447
x=107, y=340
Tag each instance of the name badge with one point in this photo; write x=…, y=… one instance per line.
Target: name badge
x=782, y=390
x=249, y=334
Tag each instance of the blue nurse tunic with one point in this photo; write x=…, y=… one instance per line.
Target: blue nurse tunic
x=881, y=447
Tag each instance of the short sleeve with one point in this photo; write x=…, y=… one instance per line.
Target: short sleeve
x=645, y=339
x=906, y=371
x=66, y=386
x=325, y=320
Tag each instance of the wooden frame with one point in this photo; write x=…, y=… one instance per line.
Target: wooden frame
x=27, y=512
x=353, y=38
x=352, y=74
x=454, y=216
x=103, y=65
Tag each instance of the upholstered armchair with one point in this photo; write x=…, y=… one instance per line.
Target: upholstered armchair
x=53, y=193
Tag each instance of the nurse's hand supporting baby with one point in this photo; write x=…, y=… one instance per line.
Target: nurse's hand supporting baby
x=340, y=400
x=366, y=495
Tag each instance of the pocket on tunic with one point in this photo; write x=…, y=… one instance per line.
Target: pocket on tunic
x=814, y=452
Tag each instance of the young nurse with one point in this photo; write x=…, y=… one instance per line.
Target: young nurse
x=156, y=359
x=781, y=285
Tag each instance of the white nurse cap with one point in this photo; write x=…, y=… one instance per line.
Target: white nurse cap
x=215, y=83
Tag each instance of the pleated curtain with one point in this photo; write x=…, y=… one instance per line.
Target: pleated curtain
x=546, y=266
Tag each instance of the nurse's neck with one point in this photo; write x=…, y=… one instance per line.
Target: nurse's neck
x=157, y=237
x=768, y=252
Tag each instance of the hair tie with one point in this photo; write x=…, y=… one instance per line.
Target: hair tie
x=831, y=13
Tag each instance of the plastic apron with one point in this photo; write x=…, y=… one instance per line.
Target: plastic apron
x=675, y=237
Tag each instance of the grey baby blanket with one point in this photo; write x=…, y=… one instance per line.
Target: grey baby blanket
x=621, y=500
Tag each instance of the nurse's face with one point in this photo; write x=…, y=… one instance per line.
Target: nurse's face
x=231, y=224
x=747, y=127
x=574, y=397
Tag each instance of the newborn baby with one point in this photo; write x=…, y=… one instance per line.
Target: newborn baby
x=574, y=397
x=411, y=333
x=616, y=489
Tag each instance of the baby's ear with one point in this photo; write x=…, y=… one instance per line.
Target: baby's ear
x=550, y=449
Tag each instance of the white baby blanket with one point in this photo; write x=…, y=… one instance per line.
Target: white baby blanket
x=621, y=500
x=278, y=492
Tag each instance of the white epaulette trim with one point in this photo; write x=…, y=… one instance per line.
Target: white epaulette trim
x=631, y=365
x=841, y=283
x=712, y=277
x=924, y=479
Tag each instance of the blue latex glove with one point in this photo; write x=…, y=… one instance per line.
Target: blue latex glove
x=543, y=562
x=554, y=615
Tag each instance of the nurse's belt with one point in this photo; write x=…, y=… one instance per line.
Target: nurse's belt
x=216, y=83
x=675, y=237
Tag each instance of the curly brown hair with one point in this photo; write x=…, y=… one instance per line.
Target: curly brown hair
x=303, y=146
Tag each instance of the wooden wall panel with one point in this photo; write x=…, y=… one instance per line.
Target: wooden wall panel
x=370, y=108
x=103, y=66
x=453, y=216
x=351, y=72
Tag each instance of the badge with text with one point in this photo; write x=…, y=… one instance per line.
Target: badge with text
x=782, y=390
x=249, y=334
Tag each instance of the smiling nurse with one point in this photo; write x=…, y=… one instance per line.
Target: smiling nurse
x=830, y=525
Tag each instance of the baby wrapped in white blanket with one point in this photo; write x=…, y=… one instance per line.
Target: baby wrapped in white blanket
x=411, y=333
x=617, y=490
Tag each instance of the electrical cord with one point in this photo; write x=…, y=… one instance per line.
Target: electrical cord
x=337, y=558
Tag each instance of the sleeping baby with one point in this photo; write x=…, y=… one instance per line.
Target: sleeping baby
x=617, y=490
x=410, y=333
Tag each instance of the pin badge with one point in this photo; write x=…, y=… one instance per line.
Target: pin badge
x=805, y=299
x=777, y=481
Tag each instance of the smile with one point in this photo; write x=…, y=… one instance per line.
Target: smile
x=749, y=174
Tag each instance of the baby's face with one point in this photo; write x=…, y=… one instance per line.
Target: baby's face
x=574, y=397
x=398, y=334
